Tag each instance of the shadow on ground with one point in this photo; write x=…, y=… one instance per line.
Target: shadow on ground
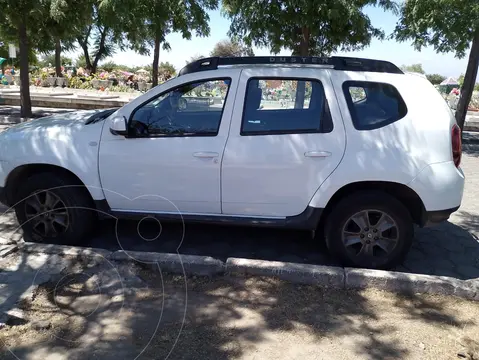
x=93, y=314
x=449, y=249
x=10, y=115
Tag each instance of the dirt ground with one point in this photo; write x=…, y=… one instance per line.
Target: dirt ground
x=116, y=311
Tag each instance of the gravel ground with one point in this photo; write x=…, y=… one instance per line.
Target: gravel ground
x=104, y=310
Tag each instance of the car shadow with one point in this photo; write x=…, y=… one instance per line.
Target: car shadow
x=448, y=249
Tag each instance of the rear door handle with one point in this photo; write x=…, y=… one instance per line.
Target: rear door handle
x=206, y=154
x=320, y=154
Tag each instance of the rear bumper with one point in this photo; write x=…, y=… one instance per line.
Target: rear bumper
x=440, y=187
x=431, y=218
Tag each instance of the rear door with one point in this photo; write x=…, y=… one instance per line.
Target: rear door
x=281, y=147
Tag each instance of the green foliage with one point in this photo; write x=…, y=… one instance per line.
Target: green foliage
x=111, y=66
x=476, y=87
x=448, y=26
x=303, y=26
x=80, y=61
x=32, y=56
x=444, y=24
x=416, y=68
x=435, y=79
x=460, y=80
x=229, y=48
x=50, y=59
x=74, y=82
x=166, y=71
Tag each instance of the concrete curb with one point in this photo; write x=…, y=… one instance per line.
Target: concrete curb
x=174, y=263
x=325, y=276
x=410, y=283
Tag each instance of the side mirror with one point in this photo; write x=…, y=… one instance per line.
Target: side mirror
x=118, y=126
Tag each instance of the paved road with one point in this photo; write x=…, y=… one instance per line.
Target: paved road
x=450, y=249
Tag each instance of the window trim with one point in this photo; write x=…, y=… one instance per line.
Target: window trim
x=129, y=128
x=352, y=111
x=326, y=113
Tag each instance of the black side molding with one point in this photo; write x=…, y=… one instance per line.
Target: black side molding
x=307, y=220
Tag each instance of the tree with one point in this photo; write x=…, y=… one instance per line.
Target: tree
x=448, y=26
x=148, y=22
x=416, y=68
x=32, y=56
x=49, y=59
x=231, y=48
x=166, y=71
x=22, y=20
x=194, y=58
x=305, y=27
x=61, y=28
x=460, y=80
x=435, y=79
x=103, y=34
x=110, y=66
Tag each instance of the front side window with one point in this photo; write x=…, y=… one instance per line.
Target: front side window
x=373, y=105
x=285, y=106
x=194, y=109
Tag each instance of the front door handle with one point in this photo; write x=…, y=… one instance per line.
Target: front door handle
x=320, y=154
x=206, y=154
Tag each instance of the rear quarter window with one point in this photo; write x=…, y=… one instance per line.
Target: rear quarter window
x=373, y=105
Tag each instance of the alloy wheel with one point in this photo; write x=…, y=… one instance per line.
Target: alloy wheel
x=47, y=214
x=370, y=235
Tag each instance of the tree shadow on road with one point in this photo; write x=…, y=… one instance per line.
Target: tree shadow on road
x=92, y=313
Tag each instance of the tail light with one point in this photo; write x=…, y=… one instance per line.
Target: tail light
x=456, y=144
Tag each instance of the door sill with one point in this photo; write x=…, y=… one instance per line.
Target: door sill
x=307, y=220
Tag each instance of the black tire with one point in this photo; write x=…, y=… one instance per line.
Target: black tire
x=75, y=201
x=373, y=204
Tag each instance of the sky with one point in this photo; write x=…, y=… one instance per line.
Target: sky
x=398, y=53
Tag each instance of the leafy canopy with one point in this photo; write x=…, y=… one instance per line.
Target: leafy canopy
x=447, y=25
x=435, y=79
x=321, y=26
x=416, y=68
x=231, y=48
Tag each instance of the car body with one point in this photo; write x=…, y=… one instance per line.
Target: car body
x=356, y=129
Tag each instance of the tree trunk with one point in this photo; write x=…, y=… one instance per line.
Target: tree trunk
x=101, y=50
x=156, y=59
x=58, y=60
x=469, y=82
x=25, y=101
x=303, y=51
x=84, y=47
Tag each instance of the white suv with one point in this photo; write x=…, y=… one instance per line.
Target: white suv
x=351, y=148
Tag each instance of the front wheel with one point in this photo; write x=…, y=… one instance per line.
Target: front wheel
x=369, y=229
x=52, y=208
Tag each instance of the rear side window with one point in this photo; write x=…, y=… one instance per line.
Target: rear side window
x=285, y=106
x=373, y=105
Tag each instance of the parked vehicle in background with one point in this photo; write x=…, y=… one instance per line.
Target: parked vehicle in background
x=353, y=149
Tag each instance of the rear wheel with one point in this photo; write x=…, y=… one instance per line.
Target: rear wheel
x=369, y=229
x=52, y=208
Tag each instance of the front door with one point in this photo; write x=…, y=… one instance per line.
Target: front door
x=171, y=159
x=282, y=146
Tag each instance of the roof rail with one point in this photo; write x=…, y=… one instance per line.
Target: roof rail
x=337, y=62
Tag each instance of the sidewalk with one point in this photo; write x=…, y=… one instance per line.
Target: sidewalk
x=102, y=310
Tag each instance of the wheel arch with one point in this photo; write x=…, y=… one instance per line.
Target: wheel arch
x=407, y=196
x=23, y=172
